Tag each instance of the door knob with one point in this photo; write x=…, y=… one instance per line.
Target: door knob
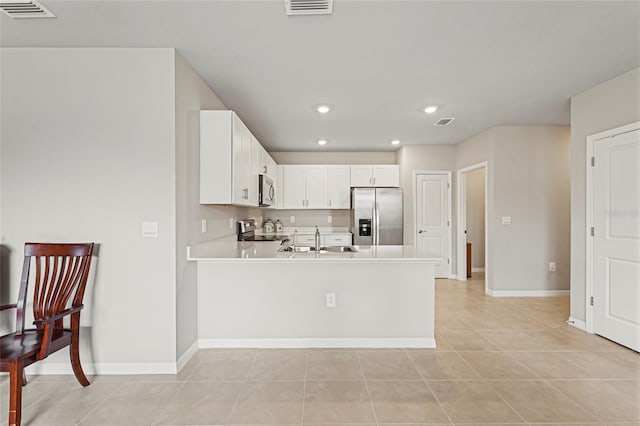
x=420, y=231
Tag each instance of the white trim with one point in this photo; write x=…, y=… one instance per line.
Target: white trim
x=105, y=368
x=477, y=269
x=453, y=277
x=579, y=324
x=461, y=189
x=591, y=139
x=450, y=218
x=186, y=356
x=527, y=293
x=372, y=342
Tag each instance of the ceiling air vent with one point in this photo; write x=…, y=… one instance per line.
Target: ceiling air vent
x=309, y=7
x=443, y=122
x=25, y=9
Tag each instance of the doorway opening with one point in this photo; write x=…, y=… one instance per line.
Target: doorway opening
x=473, y=247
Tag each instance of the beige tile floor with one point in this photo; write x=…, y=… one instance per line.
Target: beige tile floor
x=498, y=361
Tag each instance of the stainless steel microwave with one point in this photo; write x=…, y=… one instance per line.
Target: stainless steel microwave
x=266, y=191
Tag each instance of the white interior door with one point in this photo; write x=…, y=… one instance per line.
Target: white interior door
x=616, y=241
x=432, y=219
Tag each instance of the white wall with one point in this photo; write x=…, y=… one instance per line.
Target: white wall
x=88, y=155
x=609, y=105
x=531, y=183
x=475, y=216
x=421, y=157
x=527, y=179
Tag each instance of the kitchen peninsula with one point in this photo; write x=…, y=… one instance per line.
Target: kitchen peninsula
x=252, y=295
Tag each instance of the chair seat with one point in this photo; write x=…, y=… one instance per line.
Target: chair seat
x=25, y=345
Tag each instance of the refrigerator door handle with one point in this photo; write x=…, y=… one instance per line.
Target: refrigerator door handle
x=377, y=218
x=373, y=225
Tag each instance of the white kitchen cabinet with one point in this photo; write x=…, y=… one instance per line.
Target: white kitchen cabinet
x=338, y=187
x=304, y=187
x=384, y=175
x=230, y=160
x=326, y=240
x=329, y=240
x=265, y=165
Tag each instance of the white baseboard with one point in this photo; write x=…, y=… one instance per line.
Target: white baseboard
x=319, y=343
x=186, y=356
x=105, y=368
x=527, y=293
x=477, y=269
x=579, y=324
x=453, y=277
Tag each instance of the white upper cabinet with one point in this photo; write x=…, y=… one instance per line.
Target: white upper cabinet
x=338, y=187
x=305, y=187
x=229, y=160
x=387, y=175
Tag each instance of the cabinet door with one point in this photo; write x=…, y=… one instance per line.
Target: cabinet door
x=361, y=175
x=386, y=175
x=293, y=187
x=254, y=158
x=271, y=166
x=240, y=190
x=316, y=187
x=336, y=240
x=338, y=187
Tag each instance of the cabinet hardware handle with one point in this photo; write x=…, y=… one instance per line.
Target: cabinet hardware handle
x=374, y=181
x=329, y=203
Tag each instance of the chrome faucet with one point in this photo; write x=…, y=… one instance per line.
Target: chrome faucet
x=317, y=239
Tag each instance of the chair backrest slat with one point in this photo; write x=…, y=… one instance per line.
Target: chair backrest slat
x=61, y=277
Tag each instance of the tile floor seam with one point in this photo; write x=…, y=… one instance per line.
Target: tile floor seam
x=195, y=367
x=366, y=386
x=507, y=402
x=154, y=421
x=235, y=403
x=429, y=387
x=104, y=400
x=575, y=401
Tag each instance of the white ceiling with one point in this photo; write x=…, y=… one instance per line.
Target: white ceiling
x=376, y=62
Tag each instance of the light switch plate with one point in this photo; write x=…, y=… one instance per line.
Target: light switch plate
x=150, y=229
x=506, y=220
x=329, y=219
x=292, y=219
x=204, y=225
x=231, y=222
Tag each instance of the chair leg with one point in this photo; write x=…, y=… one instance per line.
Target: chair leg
x=15, y=393
x=74, y=351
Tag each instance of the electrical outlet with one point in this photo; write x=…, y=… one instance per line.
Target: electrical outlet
x=204, y=225
x=232, y=222
x=329, y=219
x=292, y=219
x=552, y=266
x=330, y=299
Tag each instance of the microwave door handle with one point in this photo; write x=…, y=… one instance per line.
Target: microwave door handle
x=272, y=193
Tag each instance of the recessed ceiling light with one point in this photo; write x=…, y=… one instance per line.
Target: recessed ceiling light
x=323, y=109
x=322, y=142
x=430, y=109
x=395, y=142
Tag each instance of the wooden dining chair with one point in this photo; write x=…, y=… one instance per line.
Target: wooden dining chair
x=61, y=272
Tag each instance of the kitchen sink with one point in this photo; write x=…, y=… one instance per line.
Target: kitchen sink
x=305, y=249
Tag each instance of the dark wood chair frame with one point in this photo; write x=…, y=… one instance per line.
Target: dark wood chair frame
x=61, y=275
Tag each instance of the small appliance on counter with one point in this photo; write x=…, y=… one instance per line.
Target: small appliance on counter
x=279, y=228
x=268, y=227
x=247, y=232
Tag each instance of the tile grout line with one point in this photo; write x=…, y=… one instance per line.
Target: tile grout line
x=429, y=387
x=255, y=356
x=489, y=384
x=153, y=422
x=104, y=400
x=366, y=386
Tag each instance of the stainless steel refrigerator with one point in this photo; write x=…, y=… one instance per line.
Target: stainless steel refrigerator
x=376, y=216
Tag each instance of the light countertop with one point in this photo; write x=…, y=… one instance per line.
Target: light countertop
x=228, y=250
